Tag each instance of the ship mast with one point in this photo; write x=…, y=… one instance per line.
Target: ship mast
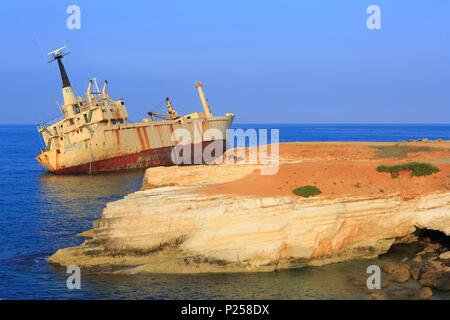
x=68, y=94
x=205, y=104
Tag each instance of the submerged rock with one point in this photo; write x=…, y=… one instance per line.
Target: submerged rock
x=379, y=295
x=403, y=294
x=438, y=279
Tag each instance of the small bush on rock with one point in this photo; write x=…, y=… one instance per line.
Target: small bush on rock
x=307, y=191
x=417, y=169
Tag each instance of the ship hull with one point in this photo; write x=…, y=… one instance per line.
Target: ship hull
x=132, y=145
x=144, y=159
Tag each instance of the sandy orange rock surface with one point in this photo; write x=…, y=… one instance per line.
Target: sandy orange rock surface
x=343, y=169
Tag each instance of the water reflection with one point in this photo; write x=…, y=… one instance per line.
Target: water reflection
x=67, y=205
x=327, y=282
x=80, y=194
x=79, y=187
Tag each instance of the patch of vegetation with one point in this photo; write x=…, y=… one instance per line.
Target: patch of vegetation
x=399, y=151
x=417, y=168
x=307, y=191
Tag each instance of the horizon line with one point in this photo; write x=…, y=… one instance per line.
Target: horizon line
x=293, y=123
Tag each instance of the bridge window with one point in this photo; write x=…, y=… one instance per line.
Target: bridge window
x=76, y=109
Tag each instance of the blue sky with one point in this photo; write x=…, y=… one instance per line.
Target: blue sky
x=265, y=61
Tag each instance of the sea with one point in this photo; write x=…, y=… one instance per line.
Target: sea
x=41, y=213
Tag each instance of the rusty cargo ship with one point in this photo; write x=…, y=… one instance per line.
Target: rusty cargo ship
x=93, y=134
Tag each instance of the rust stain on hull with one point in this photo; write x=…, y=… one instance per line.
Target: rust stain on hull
x=56, y=161
x=146, y=138
x=141, y=141
x=173, y=137
x=117, y=133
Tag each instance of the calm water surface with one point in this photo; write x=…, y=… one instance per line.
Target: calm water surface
x=41, y=213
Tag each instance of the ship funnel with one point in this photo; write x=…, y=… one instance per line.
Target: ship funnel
x=208, y=113
x=68, y=94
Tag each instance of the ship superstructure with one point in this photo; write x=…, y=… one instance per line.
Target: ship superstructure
x=93, y=135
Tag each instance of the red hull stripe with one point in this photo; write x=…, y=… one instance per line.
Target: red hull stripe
x=144, y=159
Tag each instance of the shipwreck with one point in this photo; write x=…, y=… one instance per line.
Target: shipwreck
x=93, y=135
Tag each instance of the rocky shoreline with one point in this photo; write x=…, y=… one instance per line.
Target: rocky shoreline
x=221, y=218
x=418, y=275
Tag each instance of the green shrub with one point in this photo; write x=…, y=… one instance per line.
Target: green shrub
x=417, y=169
x=399, y=151
x=307, y=191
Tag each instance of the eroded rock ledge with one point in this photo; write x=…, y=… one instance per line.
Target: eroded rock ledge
x=173, y=229
x=181, y=229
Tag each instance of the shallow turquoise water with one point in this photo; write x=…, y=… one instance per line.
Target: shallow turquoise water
x=41, y=213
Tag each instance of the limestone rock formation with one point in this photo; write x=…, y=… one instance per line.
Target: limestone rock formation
x=227, y=218
x=178, y=226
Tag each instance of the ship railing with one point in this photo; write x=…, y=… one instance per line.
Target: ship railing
x=49, y=123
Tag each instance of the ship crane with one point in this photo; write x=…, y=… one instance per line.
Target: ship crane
x=205, y=104
x=170, y=115
x=173, y=115
x=97, y=95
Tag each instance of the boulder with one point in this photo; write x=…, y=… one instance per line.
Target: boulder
x=425, y=293
x=438, y=279
x=415, y=272
x=398, y=272
x=445, y=255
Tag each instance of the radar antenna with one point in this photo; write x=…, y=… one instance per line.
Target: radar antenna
x=57, y=54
